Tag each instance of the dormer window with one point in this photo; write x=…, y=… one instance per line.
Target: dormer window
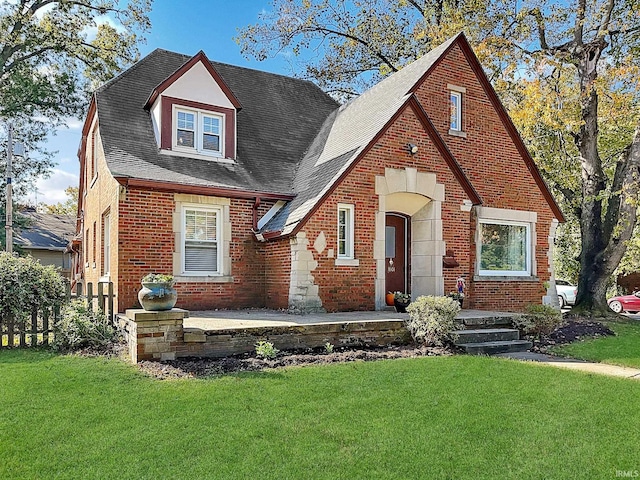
x=198, y=131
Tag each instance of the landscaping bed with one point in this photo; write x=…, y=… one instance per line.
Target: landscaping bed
x=206, y=367
x=571, y=330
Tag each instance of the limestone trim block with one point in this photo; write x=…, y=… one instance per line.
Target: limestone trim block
x=303, y=292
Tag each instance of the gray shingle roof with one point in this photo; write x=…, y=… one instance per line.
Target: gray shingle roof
x=292, y=137
x=46, y=231
x=279, y=119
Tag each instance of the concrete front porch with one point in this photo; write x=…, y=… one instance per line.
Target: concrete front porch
x=211, y=320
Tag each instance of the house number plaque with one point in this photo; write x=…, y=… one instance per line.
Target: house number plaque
x=391, y=268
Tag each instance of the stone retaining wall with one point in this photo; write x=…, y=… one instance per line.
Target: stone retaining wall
x=162, y=336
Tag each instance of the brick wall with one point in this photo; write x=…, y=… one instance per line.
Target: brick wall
x=352, y=288
x=101, y=193
x=147, y=245
x=277, y=260
x=497, y=171
x=488, y=157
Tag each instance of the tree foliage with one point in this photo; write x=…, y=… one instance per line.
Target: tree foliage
x=567, y=71
x=353, y=43
x=68, y=207
x=51, y=53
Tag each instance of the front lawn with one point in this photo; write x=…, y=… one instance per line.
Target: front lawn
x=623, y=349
x=434, y=417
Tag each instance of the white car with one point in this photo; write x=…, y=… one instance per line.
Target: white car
x=566, y=293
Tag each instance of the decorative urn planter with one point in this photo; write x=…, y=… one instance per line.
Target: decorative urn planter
x=157, y=293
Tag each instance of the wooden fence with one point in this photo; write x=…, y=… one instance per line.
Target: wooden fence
x=37, y=327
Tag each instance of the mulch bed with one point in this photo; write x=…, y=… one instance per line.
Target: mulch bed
x=205, y=367
x=572, y=330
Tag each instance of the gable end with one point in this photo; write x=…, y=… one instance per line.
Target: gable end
x=474, y=63
x=199, y=57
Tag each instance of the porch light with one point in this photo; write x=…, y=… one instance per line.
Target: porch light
x=413, y=149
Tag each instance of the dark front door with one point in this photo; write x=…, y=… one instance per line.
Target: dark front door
x=396, y=253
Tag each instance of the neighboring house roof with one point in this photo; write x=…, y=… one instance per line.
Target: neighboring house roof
x=280, y=117
x=46, y=231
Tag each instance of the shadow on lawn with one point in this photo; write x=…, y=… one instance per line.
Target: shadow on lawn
x=26, y=355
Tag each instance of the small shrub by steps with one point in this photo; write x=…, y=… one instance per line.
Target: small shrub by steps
x=538, y=320
x=432, y=320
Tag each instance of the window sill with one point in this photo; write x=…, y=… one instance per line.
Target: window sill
x=347, y=262
x=504, y=278
x=200, y=156
x=105, y=278
x=203, y=278
x=458, y=133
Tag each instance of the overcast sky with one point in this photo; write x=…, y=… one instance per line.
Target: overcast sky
x=187, y=26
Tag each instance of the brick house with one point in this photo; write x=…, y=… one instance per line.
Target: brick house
x=259, y=190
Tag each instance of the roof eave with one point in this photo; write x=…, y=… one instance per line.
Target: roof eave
x=200, y=189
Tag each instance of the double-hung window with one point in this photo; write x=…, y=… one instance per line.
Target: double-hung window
x=186, y=131
x=211, y=133
x=345, y=231
x=505, y=248
x=201, y=227
x=199, y=131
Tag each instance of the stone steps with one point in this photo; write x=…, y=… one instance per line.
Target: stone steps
x=485, y=335
x=489, y=335
x=501, y=321
x=491, y=348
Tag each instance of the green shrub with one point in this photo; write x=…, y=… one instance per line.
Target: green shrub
x=80, y=328
x=538, y=320
x=26, y=284
x=432, y=319
x=266, y=350
x=328, y=347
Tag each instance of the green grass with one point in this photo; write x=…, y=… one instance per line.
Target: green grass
x=623, y=349
x=443, y=417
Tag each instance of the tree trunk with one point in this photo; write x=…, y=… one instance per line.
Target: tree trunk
x=595, y=269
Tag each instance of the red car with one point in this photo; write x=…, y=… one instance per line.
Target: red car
x=625, y=303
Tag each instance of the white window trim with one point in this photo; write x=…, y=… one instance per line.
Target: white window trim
x=529, y=250
x=350, y=243
x=219, y=240
x=106, y=245
x=458, y=95
x=198, y=133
